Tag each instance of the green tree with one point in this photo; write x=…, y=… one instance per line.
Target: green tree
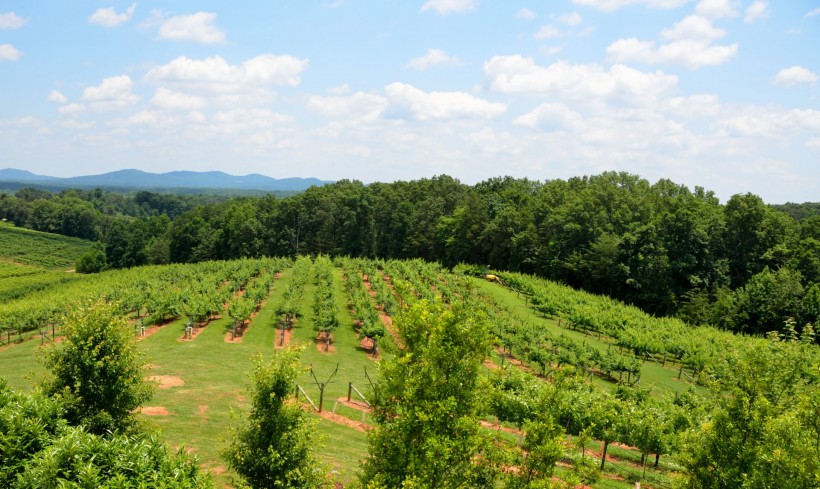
x=97, y=368
x=274, y=446
x=427, y=402
x=38, y=449
x=762, y=428
x=92, y=261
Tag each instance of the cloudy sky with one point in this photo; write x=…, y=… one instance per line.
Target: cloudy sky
x=724, y=94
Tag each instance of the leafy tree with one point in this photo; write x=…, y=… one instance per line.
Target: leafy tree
x=762, y=429
x=92, y=261
x=274, y=446
x=426, y=403
x=38, y=449
x=97, y=368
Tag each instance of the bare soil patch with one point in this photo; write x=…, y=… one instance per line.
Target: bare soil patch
x=154, y=411
x=367, y=344
x=320, y=344
x=166, y=381
x=288, y=336
x=338, y=419
x=354, y=404
x=198, y=328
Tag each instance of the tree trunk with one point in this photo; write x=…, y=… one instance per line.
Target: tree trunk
x=657, y=459
x=603, y=455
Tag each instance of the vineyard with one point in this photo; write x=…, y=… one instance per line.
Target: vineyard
x=621, y=387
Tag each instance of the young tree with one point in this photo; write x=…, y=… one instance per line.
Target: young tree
x=427, y=401
x=97, y=368
x=273, y=447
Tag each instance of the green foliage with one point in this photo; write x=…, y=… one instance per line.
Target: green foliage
x=762, y=430
x=97, y=368
x=44, y=250
x=92, y=261
x=39, y=449
x=426, y=402
x=274, y=446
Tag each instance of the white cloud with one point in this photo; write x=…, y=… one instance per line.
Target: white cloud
x=795, y=75
x=548, y=32
x=692, y=54
x=769, y=123
x=813, y=12
x=526, y=14
x=552, y=117
x=217, y=75
x=57, y=97
x=197, y=27
x=517, y=74
x=150, y=119
x=693, y=27
x=408, y=101
x=9, y=53
x=171, y=100
x=717, y=9
x=432, y=58
x=448, y=6
x=611, y=5
x=11, y=21
x=571, y=19
x=72, y=109
x=113, y=92
x=340, y=90
x=359, y=106
x=108, y=17
x=756, y=11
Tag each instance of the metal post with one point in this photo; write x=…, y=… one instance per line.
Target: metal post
x=349, y=390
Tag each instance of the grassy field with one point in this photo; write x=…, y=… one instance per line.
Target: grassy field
x=44, y=250
x=201, y=384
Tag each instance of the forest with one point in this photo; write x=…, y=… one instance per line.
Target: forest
x=743, y=265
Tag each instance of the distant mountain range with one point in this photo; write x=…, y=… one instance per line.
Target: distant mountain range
x=138, y=179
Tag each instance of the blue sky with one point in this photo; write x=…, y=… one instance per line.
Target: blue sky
x=724, y=94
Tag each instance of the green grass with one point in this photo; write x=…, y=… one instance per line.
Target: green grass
x=45, y=250
x=215, y=375
x=662, y=380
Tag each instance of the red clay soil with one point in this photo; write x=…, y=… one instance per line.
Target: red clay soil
x=367, y=344
x=491, y=365
x=338, y=419
x=154, y=411
x=320, y=344
x=240, y=332
x=288, y=337
x=354, y=404
x=198, y=328
x=166, y=381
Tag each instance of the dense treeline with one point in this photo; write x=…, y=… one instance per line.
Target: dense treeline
x=743, y=265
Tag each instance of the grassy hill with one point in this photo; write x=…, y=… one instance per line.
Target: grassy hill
x=201, y=382
x=43, y=250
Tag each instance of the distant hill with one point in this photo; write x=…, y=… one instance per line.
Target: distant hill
x=44, y=250
x=138, y=179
